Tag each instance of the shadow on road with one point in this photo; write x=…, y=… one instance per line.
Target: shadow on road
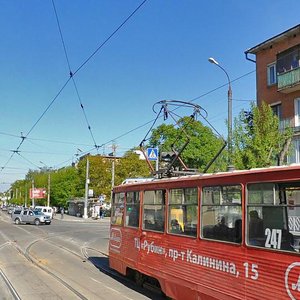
x=102, y=264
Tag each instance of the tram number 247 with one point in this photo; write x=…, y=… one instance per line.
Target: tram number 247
x=273, y=238
x=251, y=271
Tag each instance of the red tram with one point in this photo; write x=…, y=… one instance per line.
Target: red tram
x=233, y=235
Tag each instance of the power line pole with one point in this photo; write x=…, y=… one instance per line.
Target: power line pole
x=26, y=191
x=32, y=193
x=48, y=196
x=87, y=181
x=113, y=170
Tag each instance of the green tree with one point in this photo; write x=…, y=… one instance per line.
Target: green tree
x=258, y=142
x=64, y=183
x=99, y=175
x=202, y=147
x=130, y=166
x=18, y=191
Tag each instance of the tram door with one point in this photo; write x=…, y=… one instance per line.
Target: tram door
x=131, y=238
x=153, y=224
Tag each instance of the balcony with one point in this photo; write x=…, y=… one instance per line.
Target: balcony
x=288, y=70
x=289, y=81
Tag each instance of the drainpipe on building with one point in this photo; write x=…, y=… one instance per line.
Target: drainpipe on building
x=250, y=59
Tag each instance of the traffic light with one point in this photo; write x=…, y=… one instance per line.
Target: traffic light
x=167, y=156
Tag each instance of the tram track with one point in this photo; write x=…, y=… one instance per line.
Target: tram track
x=35, y=262
x=26, y=254
x=85, y=253
x=85, y=257
x=9, y=285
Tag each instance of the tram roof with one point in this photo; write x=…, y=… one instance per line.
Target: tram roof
x=145, y=181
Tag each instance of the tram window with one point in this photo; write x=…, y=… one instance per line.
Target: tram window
x=154, y=210
x=183, y=211
x=117, y=209
x=132, y=209
x=273, y=216
x=221, y=213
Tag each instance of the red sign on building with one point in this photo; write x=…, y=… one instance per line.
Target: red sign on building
x=37, y=193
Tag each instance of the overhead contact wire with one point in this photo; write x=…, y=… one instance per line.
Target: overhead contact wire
x=71, y=75
x=107, y=39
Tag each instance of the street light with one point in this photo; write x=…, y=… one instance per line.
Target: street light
x=230, y=166
x=49, y=183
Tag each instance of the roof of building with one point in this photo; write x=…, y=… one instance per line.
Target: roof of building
x=277, y=38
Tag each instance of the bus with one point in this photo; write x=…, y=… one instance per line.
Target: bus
x=229, y=235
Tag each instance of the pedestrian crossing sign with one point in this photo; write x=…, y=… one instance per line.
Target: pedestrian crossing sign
x=152, y=153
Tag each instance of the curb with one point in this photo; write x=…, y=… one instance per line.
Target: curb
x=81, y=220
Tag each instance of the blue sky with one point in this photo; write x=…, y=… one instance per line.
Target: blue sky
x=160, y=53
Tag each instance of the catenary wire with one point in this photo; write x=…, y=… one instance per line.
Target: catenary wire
x=151, y=121
x=107, y=39
x=71, y=74
x=192, y=100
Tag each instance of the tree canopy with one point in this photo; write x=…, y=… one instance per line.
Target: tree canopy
x=202, y=147
x=258, y=142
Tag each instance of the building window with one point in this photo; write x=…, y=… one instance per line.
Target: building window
x=277, y=110
x=294, y=155
x=297, y=112
x=272, y=75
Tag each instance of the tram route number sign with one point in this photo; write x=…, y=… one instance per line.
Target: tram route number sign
x=152, y=153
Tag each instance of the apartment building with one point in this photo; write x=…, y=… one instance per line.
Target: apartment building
x=278, y=80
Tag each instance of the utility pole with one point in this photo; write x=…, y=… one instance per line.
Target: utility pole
x=157, y=163
x=32, y=193
x=87, y=181
x=25, y=204
x=48, y=199
x=47, y=169
x=113, y=170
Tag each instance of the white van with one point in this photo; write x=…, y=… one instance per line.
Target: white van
x=48, y=211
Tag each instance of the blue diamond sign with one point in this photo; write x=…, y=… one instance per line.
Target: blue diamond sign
x=152, y=153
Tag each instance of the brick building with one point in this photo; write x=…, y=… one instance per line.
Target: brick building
x=278, y=80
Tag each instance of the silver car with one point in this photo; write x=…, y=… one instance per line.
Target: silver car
x=30, y=217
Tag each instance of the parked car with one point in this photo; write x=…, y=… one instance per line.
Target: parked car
x=48, y=211
x=29, y=216
x=10, y=209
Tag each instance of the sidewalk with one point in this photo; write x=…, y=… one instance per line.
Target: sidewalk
x=69, y=218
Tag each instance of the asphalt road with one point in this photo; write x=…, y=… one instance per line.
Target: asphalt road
x=64, y=260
